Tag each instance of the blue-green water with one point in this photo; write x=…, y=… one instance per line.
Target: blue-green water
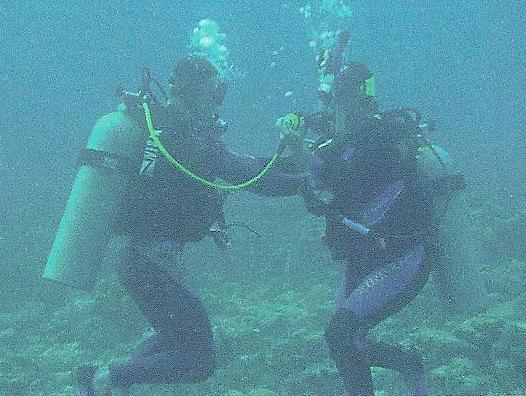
x=270, y=297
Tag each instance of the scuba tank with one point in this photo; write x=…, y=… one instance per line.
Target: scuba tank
x=109, y=161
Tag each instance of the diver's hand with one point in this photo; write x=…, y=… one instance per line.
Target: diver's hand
x=291, y=140
x=289, y=125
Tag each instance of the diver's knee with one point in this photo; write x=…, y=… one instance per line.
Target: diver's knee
x=340, y=323
x=342, y=334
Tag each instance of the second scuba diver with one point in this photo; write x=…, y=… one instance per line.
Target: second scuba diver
x=382, y=204
x=165, y=208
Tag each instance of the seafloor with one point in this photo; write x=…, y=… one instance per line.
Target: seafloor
x=269, y=299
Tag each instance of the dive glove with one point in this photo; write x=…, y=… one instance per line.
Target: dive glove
x=289, y=125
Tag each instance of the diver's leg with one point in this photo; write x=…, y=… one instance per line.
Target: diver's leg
x=345, y=335
x=378, y=296
x=182, y=349
x=346, y=340
x=171, y=366
x=407, y=362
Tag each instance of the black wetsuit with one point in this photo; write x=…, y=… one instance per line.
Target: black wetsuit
x=169, y=206
x=376, y=184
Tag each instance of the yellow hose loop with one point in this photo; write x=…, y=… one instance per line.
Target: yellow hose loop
x=154, y=135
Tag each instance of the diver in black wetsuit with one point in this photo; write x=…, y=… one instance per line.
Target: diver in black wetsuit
x=165, y=209
x=381, y=212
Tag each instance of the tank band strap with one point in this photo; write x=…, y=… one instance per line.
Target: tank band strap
x=106, y=160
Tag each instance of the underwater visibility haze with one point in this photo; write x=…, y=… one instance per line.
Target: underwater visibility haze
x=271, y=292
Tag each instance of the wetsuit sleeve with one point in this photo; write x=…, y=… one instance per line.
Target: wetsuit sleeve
x=284, y=179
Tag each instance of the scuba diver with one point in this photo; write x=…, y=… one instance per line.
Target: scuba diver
x=382, y=188
x=174, y=200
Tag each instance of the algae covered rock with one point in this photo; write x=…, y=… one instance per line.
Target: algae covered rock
x=459, y=376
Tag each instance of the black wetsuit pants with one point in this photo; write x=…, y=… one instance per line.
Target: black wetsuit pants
x=181, y=350
x=364, y=301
